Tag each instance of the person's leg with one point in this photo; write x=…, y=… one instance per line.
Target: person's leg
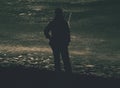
x=56, y=54
x=66, y=59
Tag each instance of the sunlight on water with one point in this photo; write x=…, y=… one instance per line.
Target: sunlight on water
x=22, y=49
x=36, y=8
x=14, y=49
x=80, y=52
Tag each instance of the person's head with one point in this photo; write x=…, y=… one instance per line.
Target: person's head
x=59, y=13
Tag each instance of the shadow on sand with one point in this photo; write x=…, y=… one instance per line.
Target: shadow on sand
x=21, y=77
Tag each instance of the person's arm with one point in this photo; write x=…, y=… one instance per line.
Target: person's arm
x=47, y=30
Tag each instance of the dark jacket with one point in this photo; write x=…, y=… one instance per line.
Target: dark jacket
x=58, y=32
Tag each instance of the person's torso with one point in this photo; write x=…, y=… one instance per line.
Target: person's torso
x=59, y=31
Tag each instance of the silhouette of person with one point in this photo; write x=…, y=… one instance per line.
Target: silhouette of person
x=58, y=33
